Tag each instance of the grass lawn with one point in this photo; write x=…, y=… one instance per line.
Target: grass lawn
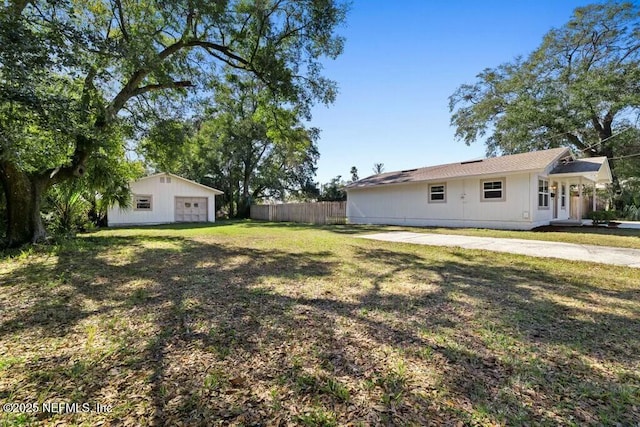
x=273, y=324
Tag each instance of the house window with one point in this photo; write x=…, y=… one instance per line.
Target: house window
x=563, y=196
x=195, y=205
x=187, y=204
x=437, y=193
x=162, y=180
x=543, y=194
x=142, y=202
x=168, y=180
x=492, y=190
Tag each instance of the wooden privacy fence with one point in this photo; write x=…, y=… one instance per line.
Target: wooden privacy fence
x=311, y=213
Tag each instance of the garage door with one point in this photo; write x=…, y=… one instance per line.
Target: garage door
x=191, y=209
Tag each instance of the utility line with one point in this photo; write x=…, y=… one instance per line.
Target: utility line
x=595, y=143
x=624, y=157
x=606, y=139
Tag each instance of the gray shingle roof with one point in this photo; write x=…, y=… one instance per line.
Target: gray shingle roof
x=492, y=165
x=590, y=164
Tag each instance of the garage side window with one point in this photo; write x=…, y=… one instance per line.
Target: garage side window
x=142, y=202
x=492, y=190
x=437, y=193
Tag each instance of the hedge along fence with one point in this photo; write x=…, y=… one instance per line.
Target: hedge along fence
x=310, y=213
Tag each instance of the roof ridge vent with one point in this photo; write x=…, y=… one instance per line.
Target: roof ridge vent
x=471, y=161
x=409, y=170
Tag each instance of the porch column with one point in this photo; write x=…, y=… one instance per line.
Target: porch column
x=567, y=198
x=594, y=196
x=567, y=202
x=580, y=199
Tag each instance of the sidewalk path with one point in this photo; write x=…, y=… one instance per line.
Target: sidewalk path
x=536, y=248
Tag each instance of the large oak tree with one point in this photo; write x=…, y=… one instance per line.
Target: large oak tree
x=248, y=145
x=580, y=88
x=71, y=69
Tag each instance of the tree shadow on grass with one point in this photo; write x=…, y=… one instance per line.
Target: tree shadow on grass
x=192, y=296
x=345, y=229
x=526, y=307
x=196, y=332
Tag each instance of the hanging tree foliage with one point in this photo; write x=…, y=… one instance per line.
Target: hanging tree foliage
x=579, y=88
x=72, y=69
x=250, y=145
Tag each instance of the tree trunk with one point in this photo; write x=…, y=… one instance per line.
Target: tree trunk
x=607, y=150
x=23, y=195
x=237, y=203
x=244, y=204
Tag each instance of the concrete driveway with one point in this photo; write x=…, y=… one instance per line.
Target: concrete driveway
x=634, y=225
x=535, y=248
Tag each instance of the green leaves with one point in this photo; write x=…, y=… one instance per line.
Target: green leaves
x=114, y=52
x=168, y=145
x=72, y=70
x=251, y=145
x=578, y=88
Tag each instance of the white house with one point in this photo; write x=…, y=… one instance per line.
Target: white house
x=165, y=198
x=520, y=191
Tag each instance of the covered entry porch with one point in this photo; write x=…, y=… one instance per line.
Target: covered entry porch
x=584, y=177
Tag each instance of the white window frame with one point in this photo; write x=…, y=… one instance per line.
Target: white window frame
x=443, y=192
x=136, y=198
x=503, y=190
x=543, y=191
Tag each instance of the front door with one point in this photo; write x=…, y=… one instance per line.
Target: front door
x=191, y=209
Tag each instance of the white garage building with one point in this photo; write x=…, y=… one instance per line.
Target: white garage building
x=165, y=198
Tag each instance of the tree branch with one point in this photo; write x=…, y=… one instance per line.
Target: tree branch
x=86, y=92
x=121, y=20
x=215, y=47
x=576, y=141
x=598, y=126
x=77, y=166
x=137, y=77
x=17, y=6
x=160, y=86
x=607, y=122
x=628, y=53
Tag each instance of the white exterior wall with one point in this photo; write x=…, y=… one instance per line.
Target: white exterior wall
x=408, y=204
x=540, y=215
x=163, y=201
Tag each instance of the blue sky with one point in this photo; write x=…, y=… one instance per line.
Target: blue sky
x=401, y=62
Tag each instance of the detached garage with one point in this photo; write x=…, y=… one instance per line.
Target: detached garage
x=165, y=198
